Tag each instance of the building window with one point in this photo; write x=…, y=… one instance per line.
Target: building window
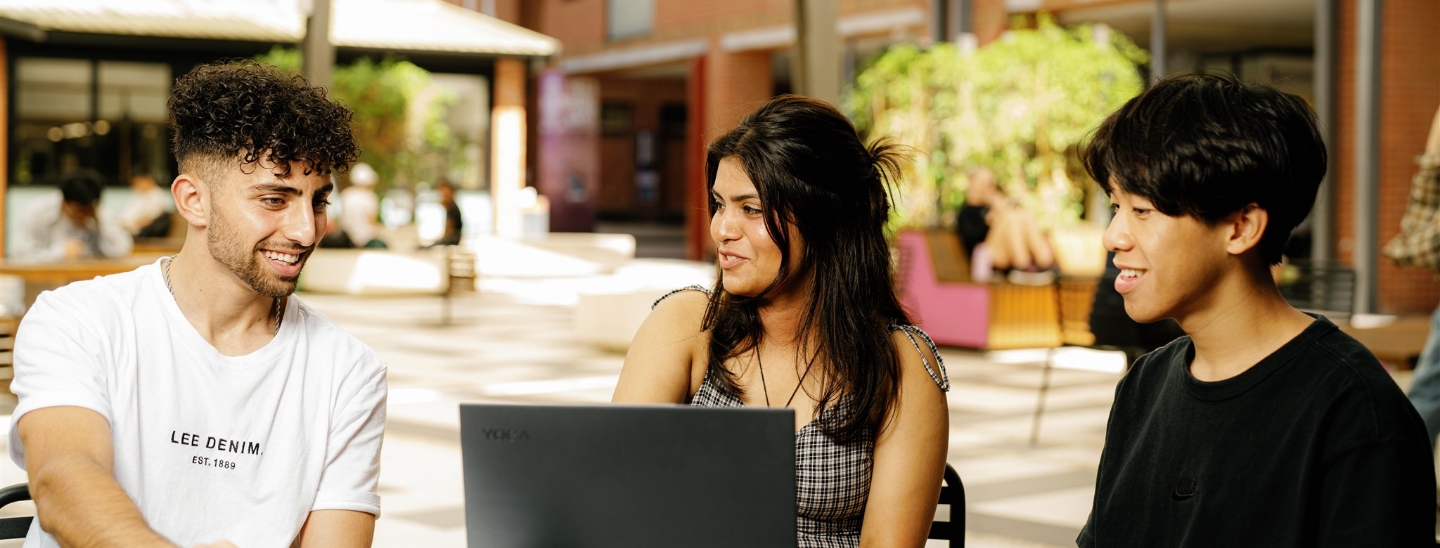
x=616, y=118
x=629, y=18
x=673, y=119
x=108, y=116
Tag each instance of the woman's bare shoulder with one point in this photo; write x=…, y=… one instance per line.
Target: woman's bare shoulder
x=680, y=312
x=666, y=360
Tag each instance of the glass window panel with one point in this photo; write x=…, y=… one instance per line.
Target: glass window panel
x=134, y=91
x=108, y=116
x=629, y=18
x=57, y=90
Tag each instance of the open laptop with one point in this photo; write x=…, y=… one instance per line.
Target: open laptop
x=633, y=476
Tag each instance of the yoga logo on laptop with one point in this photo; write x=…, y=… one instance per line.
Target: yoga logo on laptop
x=512, y=435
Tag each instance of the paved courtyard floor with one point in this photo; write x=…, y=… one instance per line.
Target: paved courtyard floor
x=515, y=341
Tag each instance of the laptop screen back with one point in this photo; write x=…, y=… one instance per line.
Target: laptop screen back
x=628, y=476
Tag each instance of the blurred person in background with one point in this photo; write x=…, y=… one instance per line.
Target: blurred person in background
x=72, y=227
x=806, y=303
x=147, y=214
x=1418, y=244
x=454, y=223
x=1013, y=242
x=360, y=208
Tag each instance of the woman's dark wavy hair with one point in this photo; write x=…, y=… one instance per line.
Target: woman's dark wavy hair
x=252, y=109
x=813, y=173
x=1207, y=145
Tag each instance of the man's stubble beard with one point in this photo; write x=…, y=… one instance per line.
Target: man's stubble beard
x=244, y=260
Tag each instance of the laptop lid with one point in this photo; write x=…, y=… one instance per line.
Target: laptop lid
x=628, y=476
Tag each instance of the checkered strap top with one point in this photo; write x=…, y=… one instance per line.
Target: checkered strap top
x=832, y=481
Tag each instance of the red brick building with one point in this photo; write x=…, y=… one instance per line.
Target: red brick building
x=678, y=71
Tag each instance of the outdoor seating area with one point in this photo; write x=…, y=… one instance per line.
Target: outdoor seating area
x=985, y=274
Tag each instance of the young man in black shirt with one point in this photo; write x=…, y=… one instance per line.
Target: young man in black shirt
x=1265, y=426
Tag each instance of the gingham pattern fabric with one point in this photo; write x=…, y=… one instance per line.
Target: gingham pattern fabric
x=832, y=481
x=1418, y=243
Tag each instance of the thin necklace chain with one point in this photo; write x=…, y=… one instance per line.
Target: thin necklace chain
x=273, y=310
x=761, y=365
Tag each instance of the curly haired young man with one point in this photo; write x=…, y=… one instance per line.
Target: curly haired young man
x=195, y=401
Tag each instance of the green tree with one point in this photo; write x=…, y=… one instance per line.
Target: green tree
x=399, y=113
x=1021, y=105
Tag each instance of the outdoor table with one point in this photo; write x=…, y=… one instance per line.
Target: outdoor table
x=1397, y=343
x=42, y=276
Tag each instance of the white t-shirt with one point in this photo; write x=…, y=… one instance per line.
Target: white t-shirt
x=210, y=447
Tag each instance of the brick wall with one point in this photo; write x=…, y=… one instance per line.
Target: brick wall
x=505, y=10
x=617, y=152
x=1409, y=95
x=990, y=18
x=508, y=11
x=1343, y=149
x=580, y=24
x=739, y=83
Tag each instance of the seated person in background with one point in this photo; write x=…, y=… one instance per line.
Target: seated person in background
x=1009, y=233
x=359, y=208
x=806, y=302
x=1264, y=426
x=147, y=214
x=454, y=223
x=71, y=227
x=195, y=401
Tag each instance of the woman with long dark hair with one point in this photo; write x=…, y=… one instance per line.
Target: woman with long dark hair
x=805, y=316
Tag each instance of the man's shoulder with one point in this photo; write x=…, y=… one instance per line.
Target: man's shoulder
x=325, y=333
x=1335, y=359
x=1156, y=365
x=101, y=293
x=1363, y=403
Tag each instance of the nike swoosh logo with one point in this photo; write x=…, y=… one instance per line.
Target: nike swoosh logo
x=1185, y=489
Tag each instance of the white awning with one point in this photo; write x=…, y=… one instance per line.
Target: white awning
x=398, y=25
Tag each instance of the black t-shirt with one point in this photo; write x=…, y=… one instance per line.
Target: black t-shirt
x=1313, y=446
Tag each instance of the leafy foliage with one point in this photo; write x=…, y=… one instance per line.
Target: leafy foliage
x=399, y=114
x=1021, y=105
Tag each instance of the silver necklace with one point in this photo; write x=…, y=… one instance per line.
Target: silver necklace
x=275, y=310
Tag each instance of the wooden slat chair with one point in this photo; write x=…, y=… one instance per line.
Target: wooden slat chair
x=7, y=358
x=461, y=273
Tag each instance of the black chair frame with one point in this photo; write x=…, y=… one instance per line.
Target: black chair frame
x=16, y=527
x=952, y=494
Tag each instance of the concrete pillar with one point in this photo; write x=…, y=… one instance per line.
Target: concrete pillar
x=1322, y=216
x=1367, y=150
x=1157, y=42
x=507, y=145
x=949, y=19
x=317, y=55
x=816, y=70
